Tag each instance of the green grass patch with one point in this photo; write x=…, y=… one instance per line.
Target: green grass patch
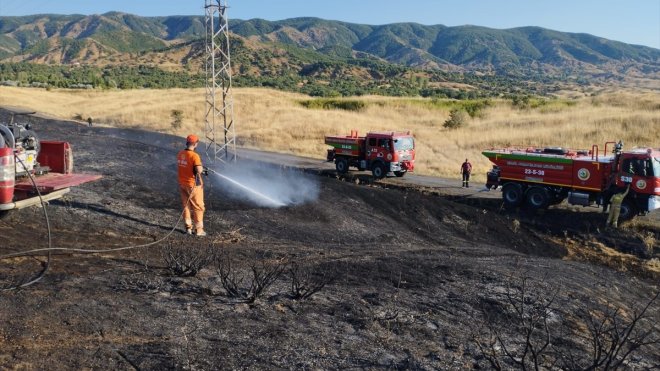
x=328, y=104
x=474, y=107
x=554, y=105
x=543, y=104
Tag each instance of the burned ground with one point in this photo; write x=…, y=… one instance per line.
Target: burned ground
x=412, y=276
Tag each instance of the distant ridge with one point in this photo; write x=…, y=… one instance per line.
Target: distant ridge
x=172, y=43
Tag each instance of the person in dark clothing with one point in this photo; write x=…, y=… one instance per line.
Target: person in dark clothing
x=466, y=169
x=89, y=122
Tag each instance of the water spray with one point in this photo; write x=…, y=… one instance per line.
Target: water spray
x=273, y=202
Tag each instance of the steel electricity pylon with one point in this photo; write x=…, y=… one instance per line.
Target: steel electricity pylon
x=219, y=122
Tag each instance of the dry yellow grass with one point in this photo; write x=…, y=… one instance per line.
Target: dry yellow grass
x=275, y=121
x=597, y=252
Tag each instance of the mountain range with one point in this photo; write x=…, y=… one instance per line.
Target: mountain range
x=176, y=43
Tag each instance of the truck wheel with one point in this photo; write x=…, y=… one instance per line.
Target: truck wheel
x=628, y=210
x=341, y=164
x=399, y=174
x=512, y=195
x=537, y=198
x=378, y=170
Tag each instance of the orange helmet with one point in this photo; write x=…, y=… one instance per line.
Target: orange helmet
x=192, y=138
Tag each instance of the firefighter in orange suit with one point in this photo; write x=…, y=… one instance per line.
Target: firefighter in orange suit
x=190, y=171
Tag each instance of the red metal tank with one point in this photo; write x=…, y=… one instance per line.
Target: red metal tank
x=7, y=175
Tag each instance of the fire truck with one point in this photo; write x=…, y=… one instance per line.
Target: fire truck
x=380, y=152
x=32, y=170
x=540, y=177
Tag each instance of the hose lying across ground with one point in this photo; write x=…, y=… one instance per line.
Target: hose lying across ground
x=50, y=249
x=41, y=274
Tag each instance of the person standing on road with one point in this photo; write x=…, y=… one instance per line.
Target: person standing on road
x=191, y=187
x=615, y=208
x=466, y=169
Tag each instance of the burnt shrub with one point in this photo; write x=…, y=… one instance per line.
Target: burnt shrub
x=141, y=282
x=251, y=280
x=307, y=279
x=186, y=260
x=526, y=326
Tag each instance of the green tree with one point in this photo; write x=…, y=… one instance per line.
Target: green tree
x=457, y=118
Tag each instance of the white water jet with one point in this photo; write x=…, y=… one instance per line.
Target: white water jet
x=253, y=191
x=266, y=185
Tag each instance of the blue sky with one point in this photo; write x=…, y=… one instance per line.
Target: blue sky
x=635, y=22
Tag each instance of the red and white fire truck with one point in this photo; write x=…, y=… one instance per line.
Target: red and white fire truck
x=539, y=177
x=381, y=152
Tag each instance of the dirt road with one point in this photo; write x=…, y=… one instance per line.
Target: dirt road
x=414, y=272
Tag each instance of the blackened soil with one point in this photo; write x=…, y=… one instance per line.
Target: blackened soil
x=411, y=268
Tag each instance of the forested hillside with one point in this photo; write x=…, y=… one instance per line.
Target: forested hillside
x=316, y=56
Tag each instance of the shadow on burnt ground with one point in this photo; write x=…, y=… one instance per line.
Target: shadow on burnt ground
x=109, y=213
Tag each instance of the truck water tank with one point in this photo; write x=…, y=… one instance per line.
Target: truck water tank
x=579, y=198
x=7, y=175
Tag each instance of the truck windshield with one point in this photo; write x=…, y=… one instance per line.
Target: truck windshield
x=404, y=144
x=656, y=166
